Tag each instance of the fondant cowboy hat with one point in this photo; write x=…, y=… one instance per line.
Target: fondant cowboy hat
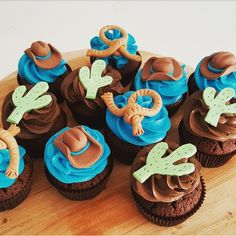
x=224, y=62
x=163, y=68
x=44, y=55
x=79, y=147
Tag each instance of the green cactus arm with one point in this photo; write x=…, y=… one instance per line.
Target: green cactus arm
x=155, y=164
x=32, y=100
x=84, y=76
x=218, y=105
x=97, y=68
x=18, y=94
x=184, y=151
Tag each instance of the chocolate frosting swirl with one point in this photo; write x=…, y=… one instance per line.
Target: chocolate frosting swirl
x=195, y=113
x=164, y=188
x=35, y=123
x=74, y=92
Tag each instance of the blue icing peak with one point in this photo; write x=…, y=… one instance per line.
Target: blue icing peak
x=98, y=44
x=28, y=70
x=225, y=81
x=170, y=91
x=60, y=167
x=155, y=127
x=6, y=182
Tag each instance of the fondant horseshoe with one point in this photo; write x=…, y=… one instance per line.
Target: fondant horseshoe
x=133, y=113
x=7, y=140
x=116, y=47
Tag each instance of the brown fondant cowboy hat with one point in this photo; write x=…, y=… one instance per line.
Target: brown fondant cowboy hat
x=224, y=61
x=44, y=55
x=79, y=147
x=163, y=68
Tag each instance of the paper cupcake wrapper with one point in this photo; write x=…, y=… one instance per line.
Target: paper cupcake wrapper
x=170, y=221
x=208, y=160
x=84, y=194
x=54, y=88
x=15, y=200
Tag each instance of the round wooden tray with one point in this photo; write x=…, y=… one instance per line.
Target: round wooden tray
x=114, y=212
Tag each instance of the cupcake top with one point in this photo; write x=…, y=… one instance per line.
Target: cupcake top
x=211, y=114
x=114, y=44
x=32, y=109
x=76, y=154
x=217, y=70
x=137, y=117
x=11, y=157
x=41, y=62
x=159, y=174
x=87, y=84
x=166, y=76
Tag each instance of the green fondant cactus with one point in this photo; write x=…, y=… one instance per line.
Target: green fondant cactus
x=156, y=164
x=218, y=104
x=27, y=102
x=93, y=80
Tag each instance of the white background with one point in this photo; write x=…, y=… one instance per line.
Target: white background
x=186, y=30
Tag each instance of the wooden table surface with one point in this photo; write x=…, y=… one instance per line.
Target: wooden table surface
x=113, y=211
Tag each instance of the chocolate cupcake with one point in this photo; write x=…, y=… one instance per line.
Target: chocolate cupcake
x=77, y=162
x=166, y=76
x=15, y=170
x=209, y=122
x=43, y=63
x=118, y=49
x=37, y=113
x=135, y=120
x=166, y=185
x=217, y=70
x=82, y=92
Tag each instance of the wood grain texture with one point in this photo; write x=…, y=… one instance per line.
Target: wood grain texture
x=114, y=211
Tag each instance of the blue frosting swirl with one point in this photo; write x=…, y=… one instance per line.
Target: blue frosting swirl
x=6, y=182
x=60, y=167
x=28, y=70
x=226, y=81
x=120, y=61
x=155, y=127
x=171, y=91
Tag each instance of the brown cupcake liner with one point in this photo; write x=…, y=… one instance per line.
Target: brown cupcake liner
x=54, y=88
x=212, y=161
x=84, y=194
x=170, y=221
x=207, y=160
x=17, y=199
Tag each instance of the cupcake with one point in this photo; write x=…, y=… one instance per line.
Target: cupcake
x=15, y=170
x=118, y=49
x=36, y=112
x=217, y=70
x=77, y=162
x=209, y=122
x=43, y=63
x=166, y=185
x=135, y=120
x=82, y=90
x=166, y=76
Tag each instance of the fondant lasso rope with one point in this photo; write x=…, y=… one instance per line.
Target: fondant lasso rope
x=133, y=113
x=115, y=47
x=7, y=140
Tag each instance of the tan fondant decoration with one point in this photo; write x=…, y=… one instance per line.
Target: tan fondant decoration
x=133, y=113
x=225, y=61
x=116, y=47
x=163, y=68
x=74, y=140
x=7, y=140
x=42, y=49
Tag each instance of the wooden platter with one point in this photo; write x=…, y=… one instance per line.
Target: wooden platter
x=114, y=211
